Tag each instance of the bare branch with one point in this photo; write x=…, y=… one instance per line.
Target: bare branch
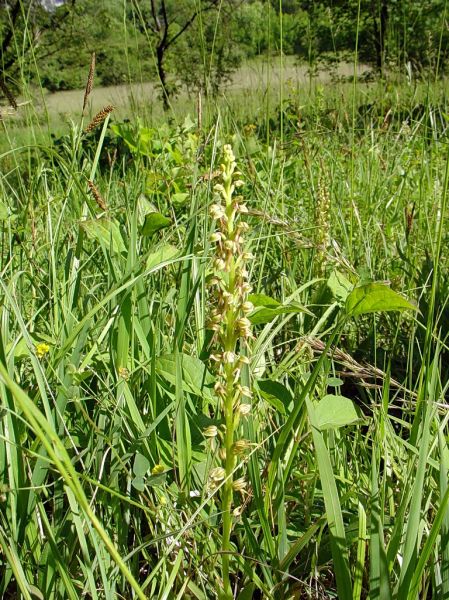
x=155, y=17
x=164, y=15
x=212, y=5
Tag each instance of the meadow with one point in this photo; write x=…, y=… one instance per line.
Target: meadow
x=223, y=344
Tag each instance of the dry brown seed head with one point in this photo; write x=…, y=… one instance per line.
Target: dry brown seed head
x=97, y=196
x=90, y=81
x=99, y=118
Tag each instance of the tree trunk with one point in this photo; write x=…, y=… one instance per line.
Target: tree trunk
x=380, y=22
x=160, y=51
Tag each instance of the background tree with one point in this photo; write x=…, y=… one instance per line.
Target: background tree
x=167, y=22
x=199, y=43
x=388, y=33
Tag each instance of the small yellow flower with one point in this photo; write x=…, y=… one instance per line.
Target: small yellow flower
x=124, y=373
x=249, y=129
x=157, y=469
x=42, y=349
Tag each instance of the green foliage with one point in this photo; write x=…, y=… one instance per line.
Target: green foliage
x=333, y=412
x=205, y=42
x=375, y=297
x=93, y=27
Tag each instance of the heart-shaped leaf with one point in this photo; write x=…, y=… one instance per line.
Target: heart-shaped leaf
x=154, y=222
x=196, y=378
x=339, y=285
x=375, y=297
x=333, y=412
x=106, y=231
x=163, y=254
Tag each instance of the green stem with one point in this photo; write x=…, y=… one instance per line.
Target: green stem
x=230, y=344
x=227, y=488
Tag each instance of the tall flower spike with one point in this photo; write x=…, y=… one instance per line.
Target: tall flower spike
x=232, y=331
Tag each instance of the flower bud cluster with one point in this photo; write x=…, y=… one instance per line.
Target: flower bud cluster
x=228, y=319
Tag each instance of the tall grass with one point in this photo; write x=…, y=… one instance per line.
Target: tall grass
x=107, y=388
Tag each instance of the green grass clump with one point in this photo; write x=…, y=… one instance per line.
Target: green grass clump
x=334, y=484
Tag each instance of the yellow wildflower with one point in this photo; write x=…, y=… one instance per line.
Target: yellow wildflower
x=42, y=349
x=157, y=469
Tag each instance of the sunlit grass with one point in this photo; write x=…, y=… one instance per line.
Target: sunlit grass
x=106, y=382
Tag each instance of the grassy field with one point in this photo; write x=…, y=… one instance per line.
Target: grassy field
x=253, y=90
x=224, y=349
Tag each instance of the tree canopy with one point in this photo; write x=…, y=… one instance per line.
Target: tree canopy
x=198, y=43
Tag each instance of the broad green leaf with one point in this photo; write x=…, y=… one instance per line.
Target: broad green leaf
x=263, y=300
x=144, y=207
x=379, y=576
x=107, y=232
x=375, y=297
x=339, y=285
x=155, y=480
x=336, y=411
x=154, y=222
x=334, y=382
x=195, y=377
x=154, y=180
x=20, y=349
x=188, y=124
x=141, y=465
x=162, y=254
x=3, y=212
x=123, y=131
x=267, y=308
x=275, y=394
x=179, y=198
x=138, y=484
x=262, y=315
x=332, y=503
